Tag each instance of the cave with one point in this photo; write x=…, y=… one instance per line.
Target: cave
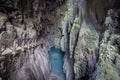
x=59, y=39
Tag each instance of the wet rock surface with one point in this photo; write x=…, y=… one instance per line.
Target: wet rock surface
x=87, y=32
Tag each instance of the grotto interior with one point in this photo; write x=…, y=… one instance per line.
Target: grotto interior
x=59, y=39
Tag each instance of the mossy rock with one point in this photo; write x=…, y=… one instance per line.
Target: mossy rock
x=81, y=68
x=88, y=41
x=2, y=19
x=109, y=59
x=108, y=72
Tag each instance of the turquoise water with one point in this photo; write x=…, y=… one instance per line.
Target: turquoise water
x=56, y=60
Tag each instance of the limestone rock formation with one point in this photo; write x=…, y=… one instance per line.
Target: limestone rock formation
x=86, y=31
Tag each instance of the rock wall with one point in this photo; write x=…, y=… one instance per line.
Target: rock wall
x=27, y=32
x=86, y=30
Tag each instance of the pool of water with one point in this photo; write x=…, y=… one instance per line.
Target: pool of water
x=56, y=60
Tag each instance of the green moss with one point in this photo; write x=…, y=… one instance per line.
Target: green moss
x=86, y=47
x=109, y=58
x=108, y=71
x=82, y=68
x=2, y=19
